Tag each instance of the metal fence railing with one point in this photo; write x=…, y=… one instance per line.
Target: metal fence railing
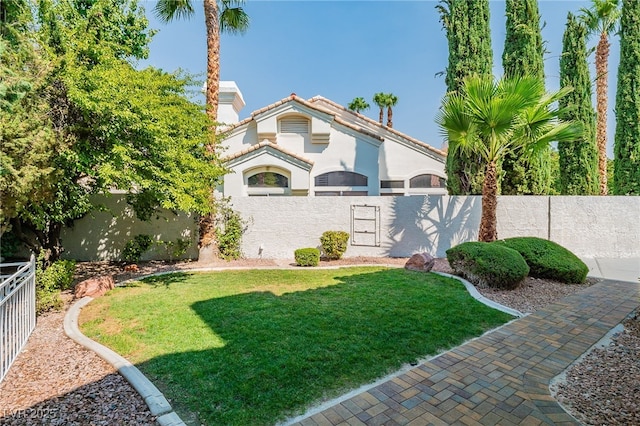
x=17, y=309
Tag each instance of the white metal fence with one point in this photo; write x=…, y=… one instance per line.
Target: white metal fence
x=17, y=310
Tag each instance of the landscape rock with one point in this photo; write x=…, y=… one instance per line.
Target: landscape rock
x=422, y=262
x=94, y=287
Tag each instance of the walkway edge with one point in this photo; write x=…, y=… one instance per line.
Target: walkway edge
x=480, y=298
x=155, y=400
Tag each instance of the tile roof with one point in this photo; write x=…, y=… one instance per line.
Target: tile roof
x=314, y=103
x=269, y=144
x=377, y=124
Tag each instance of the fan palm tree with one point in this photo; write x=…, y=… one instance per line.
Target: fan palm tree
x=220, y=16
x=358, y=104
x=392, y=100
x=491, y=119
x=380, y=99
x=602, y=18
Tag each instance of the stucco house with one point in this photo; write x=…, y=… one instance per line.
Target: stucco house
x=317, y=147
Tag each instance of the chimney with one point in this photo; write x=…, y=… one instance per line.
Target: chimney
x=230, y=102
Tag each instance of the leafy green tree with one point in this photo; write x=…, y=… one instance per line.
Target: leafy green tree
x=391, y=101
x=26, y=140
x=492, y=119
x=602, y=19
x=380, y=99
x=220, y=16
x=578, y=160
x=626, y=175
x=523, y=56
x=469, y=38
x=119, y=128
x=358, y=104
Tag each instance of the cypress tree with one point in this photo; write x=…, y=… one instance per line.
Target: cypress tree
x=578, y=160
x=469, y=38
x=522, y=56
x=626, y=171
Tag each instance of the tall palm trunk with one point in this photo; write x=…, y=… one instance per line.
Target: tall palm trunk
x=488, y=229
x=602, y=59
x=207, y=240
x=212, y=22
x=389, y=117
x=381, y=116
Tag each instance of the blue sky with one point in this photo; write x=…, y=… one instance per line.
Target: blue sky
x=345, y=49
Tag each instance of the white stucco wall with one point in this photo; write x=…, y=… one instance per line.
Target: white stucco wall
x=103, y=235
x=588, y=226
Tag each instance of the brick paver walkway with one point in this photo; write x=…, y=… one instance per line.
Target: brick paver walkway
x=501, y=378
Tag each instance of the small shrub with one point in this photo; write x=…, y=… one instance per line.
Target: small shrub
x=547, y=259
x=307, y=256
x=176, y=248
x=49, y=282
x=488, y=264
x=229, y=230
x=135, y=248
x=334, y=244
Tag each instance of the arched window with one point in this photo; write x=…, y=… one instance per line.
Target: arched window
x=427, y=181
x=264, y=181
x=341, y=178
x=268, y=180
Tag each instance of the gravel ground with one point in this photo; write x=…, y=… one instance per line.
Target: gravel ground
x=54, y=381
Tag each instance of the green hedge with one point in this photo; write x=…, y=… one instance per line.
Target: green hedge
x=49, y=282
x=307, y=256
x=547, y=259
x=334, y=244
x=488, y=264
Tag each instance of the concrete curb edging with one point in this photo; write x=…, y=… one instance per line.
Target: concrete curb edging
x=155, y=400
x=480, y=298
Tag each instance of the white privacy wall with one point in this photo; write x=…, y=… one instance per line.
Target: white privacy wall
x=401, y=226
x=589, y=226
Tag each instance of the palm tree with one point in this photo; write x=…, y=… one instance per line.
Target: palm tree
x=602, y=18
x=392, y=100
x=380, y=99
x=491, y=119
x=358, y=104
x=220, y=16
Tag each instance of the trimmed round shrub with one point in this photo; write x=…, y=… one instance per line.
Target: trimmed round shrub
x=547, y=259
x=334, y=244
x=488, y=264
x=307, y=256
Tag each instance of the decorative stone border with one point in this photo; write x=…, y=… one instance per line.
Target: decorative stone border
x=155, y=400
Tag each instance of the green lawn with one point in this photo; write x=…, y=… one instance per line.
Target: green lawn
x=255, y=347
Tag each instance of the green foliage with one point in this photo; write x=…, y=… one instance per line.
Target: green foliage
x=547, y=259
x=98, y=124
x=9, y=244
x=523, y=57
x=50, y=281
x=626, y=176
x=334, y=244
x=578, y=159
x=488, y=264
x=229, y=229
x=307, y=256
x=358, y=104
x=135, y=248
x=177, y=247
x=469, y=40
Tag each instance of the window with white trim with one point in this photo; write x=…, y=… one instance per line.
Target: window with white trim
x=427, y=181
x=341, y=183
x=267, y=182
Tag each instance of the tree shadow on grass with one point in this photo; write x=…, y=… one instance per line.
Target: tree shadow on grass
x=284, y=353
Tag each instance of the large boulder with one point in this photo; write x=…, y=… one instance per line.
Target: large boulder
x=422, y=262
x=94, y=287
